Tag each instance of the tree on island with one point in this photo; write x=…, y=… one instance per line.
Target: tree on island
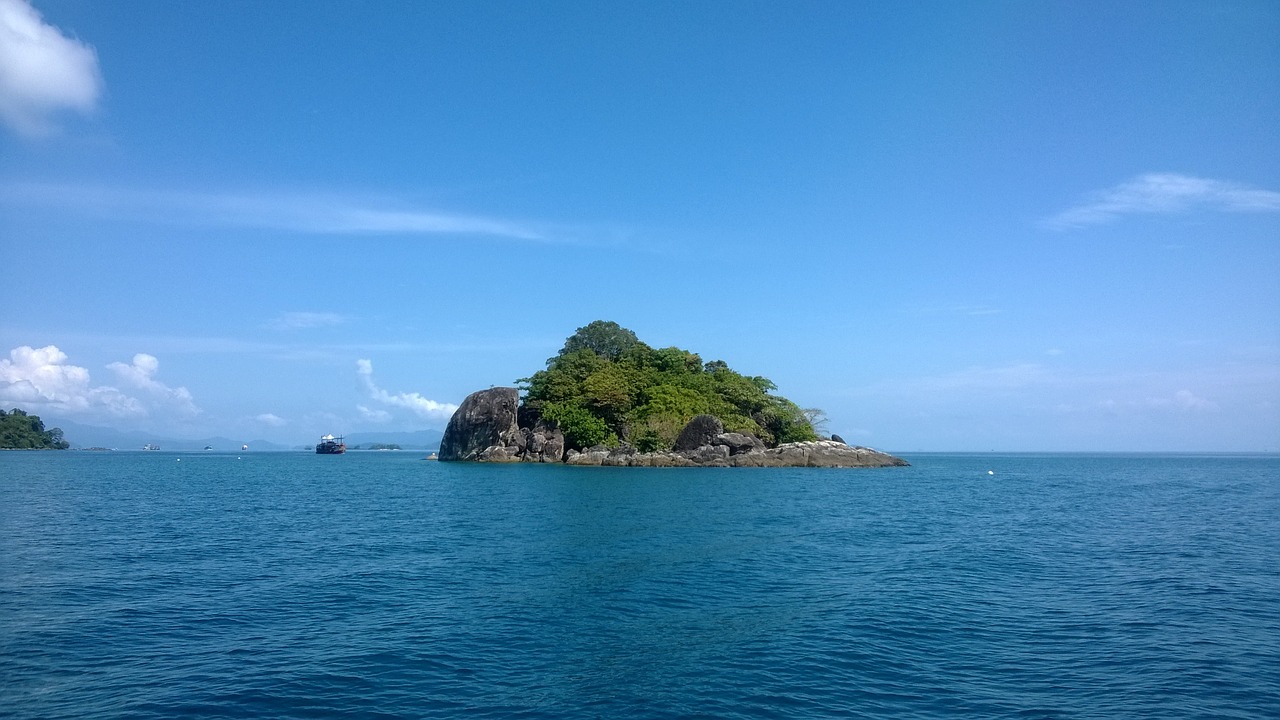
x=605, y=386
x=20, y=431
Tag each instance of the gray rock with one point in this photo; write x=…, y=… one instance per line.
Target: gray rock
x=543, y=443
x=485, y=419
x=591, y=456
x=826, y=453
x=701, y=430
x=738, y=443
x=708, y=455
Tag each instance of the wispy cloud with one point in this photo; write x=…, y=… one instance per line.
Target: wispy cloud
x=956, y=310
x=271, y=420
x=42, y=71
x=1163, y=194
x=417, y=403
x=1182, y=400
x=372, y=415
x=310, y=213
x=305, y=320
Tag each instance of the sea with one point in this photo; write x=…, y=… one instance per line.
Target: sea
x=386, y=585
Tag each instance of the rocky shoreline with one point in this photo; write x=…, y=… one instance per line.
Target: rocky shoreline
x=486, y=428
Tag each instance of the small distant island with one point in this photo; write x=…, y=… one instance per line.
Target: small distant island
x=609, y=399
x=21, y=431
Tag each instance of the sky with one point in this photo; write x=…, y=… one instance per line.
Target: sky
x=982, y=226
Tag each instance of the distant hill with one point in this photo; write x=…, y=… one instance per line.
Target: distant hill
x=419, y=440
x=87, y=436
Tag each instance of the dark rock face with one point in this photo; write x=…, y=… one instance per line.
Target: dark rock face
x=486, y=428
x=485, y=420
x=700, y=431
x=838, y=439
x=543, y=443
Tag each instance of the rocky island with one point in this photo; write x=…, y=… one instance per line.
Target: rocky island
x=609, y=399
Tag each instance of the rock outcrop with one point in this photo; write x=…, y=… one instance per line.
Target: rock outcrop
x=700, y=431
x=486, y=428
x=483, y=427
x=818, y=453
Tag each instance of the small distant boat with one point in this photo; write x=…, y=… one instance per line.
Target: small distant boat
x=208, y=447
x=330, y=445
x=149, y=446
x=244, y=447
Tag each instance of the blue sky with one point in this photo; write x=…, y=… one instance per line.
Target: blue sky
x=952, y=226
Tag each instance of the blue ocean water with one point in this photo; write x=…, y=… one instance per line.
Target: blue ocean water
x=161, y=585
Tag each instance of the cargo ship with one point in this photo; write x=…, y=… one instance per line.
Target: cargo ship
x=330, y=445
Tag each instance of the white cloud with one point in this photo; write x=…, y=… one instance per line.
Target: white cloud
x=1165, y=193
x=271, y=420
x=306, y=320
x=42, y=71
x=417, y=403
x=141, y=376
x=41, y=379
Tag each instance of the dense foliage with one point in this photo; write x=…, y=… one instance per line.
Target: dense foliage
x=606, y=386
x=20, y=431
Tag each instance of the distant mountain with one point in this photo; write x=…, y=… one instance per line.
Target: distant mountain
x=419, y=440
x=86, y=436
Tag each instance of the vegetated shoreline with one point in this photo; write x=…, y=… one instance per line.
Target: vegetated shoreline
x=609, y=399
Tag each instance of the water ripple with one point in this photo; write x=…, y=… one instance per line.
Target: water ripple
x=377, y=585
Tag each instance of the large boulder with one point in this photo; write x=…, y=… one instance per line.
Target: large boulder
x=701, y=430
x=738, y=443
x=484, y=428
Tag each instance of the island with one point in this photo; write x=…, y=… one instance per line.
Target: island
x=20, y=431
x=609, y=399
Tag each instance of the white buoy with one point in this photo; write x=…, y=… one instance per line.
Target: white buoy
x=991, y=472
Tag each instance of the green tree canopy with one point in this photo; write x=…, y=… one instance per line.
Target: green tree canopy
x=606, y=386
x=606, y=339
x=20, y=431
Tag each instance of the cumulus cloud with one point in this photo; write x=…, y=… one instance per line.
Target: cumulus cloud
x=420, y=405
x=140, y=375
x=41, y=379
x=271, y=420
x=42, y=71
x=1165, y=193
